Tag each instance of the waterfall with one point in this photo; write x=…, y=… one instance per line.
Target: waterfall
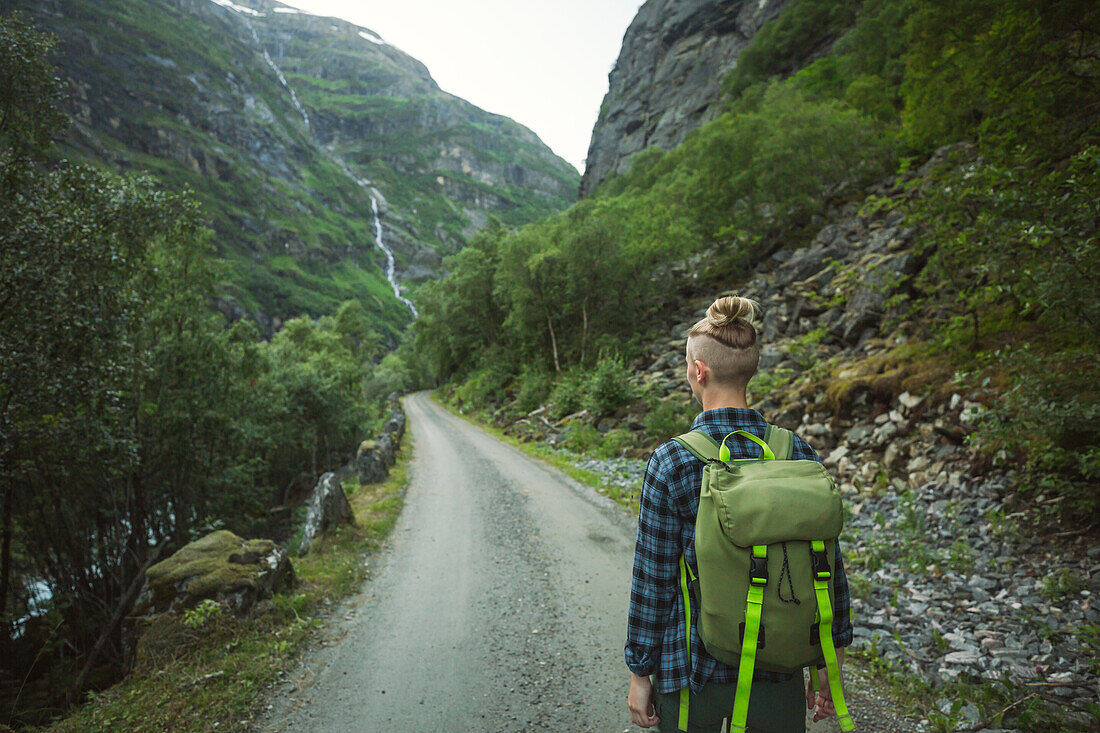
x=391, y=275
x=278, y=73
x=389, y=254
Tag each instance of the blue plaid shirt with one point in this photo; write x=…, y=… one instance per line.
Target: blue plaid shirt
x=666, y=528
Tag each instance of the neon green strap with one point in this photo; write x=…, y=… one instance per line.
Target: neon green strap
x=777, y=443
x=822, y=573
x=684, y=571
x=753, y=607
x=724, y=452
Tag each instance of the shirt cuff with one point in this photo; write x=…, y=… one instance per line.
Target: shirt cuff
x=640, y=662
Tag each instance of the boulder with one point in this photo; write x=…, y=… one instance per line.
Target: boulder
x=328, y=506
x=396, y=424
x=221, y=566
x=374, y=458
x=370, y=464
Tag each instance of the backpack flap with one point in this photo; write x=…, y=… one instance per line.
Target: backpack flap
x=764, y=502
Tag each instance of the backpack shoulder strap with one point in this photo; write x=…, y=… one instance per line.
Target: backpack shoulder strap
x=699, y=444
x=780, y=440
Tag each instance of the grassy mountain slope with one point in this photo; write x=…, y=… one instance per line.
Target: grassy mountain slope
x=191, y=92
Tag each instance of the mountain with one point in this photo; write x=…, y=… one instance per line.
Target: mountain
x=666, y=80
x=290, y=128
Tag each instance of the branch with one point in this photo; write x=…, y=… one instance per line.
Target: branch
x=124, y=605
x=986, y=721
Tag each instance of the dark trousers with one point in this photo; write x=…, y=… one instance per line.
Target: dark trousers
x=774, y=707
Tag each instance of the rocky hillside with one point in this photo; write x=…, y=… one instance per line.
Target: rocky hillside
x=666, y=80
x=287, y=125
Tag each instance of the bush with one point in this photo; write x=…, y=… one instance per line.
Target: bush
x=616, y=442
x=609, y=387
x=568, y=394
x=670, y=417
x=534, y=387
x=580, y=437
x=1051, y=418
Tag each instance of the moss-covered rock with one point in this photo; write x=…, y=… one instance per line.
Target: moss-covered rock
x=221, y=566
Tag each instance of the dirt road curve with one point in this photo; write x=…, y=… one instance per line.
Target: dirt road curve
x=499, y=605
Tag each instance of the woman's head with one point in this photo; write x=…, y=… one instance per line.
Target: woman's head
x=725, y=342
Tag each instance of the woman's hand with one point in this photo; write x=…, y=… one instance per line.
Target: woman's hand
x=640, y=702
x=821, y=701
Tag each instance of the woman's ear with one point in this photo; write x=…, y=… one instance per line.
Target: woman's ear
x=702, y=371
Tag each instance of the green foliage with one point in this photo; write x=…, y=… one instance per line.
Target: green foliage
x=534, y=388
x=29, y=89
x=483, y=389
x=769, y=167
x=670, y=417
x=1006, y=72
x=803, y=349
x=568, y=394
x=616, y=442
x=1090, y=638
x=1024, y=313
x=778, y=47
x=609, y=386
x=1056, y=587
x=582, y=438
x=765, y=384
x=197, y=617
x=132, y=416
x=551, y=293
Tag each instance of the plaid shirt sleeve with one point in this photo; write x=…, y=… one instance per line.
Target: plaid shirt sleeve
x=656, y=569
x=842, y=598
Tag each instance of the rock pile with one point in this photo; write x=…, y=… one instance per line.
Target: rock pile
x=375, y=456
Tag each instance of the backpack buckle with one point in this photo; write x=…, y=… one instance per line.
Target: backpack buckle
x=723, y=464
x=758, y=570
x=819, y=563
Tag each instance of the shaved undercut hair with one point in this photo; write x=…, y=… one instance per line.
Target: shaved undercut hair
x=725, y=340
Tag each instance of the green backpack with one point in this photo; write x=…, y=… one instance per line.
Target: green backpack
x=765, y=536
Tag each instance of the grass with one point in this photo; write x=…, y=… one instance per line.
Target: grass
x=208, y=669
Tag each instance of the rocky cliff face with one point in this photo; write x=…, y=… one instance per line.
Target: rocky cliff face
x=286, y=125
x=665, y=82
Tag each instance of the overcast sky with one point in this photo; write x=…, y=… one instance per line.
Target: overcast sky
x=544, y=64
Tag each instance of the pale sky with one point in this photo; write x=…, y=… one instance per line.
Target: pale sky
x=544, y=64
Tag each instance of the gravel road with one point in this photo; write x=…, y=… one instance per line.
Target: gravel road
x=498, y=605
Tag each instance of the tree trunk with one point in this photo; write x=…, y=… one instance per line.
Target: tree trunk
x=584, y=328
x=553, y=343
x=5, y=551
x=977, y=338
x=124, y=605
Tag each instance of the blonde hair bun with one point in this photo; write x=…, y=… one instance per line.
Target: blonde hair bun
x=726, y=311
x=730, y=348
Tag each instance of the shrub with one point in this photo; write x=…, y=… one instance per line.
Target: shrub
x=670, y=417
x=609, y=386
x=616, y=442
x=534, y=387
x=580, y=437
x=482, y=390
x=568, y=394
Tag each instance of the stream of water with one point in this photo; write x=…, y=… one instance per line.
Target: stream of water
x=389, y=255
x=391, y=275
